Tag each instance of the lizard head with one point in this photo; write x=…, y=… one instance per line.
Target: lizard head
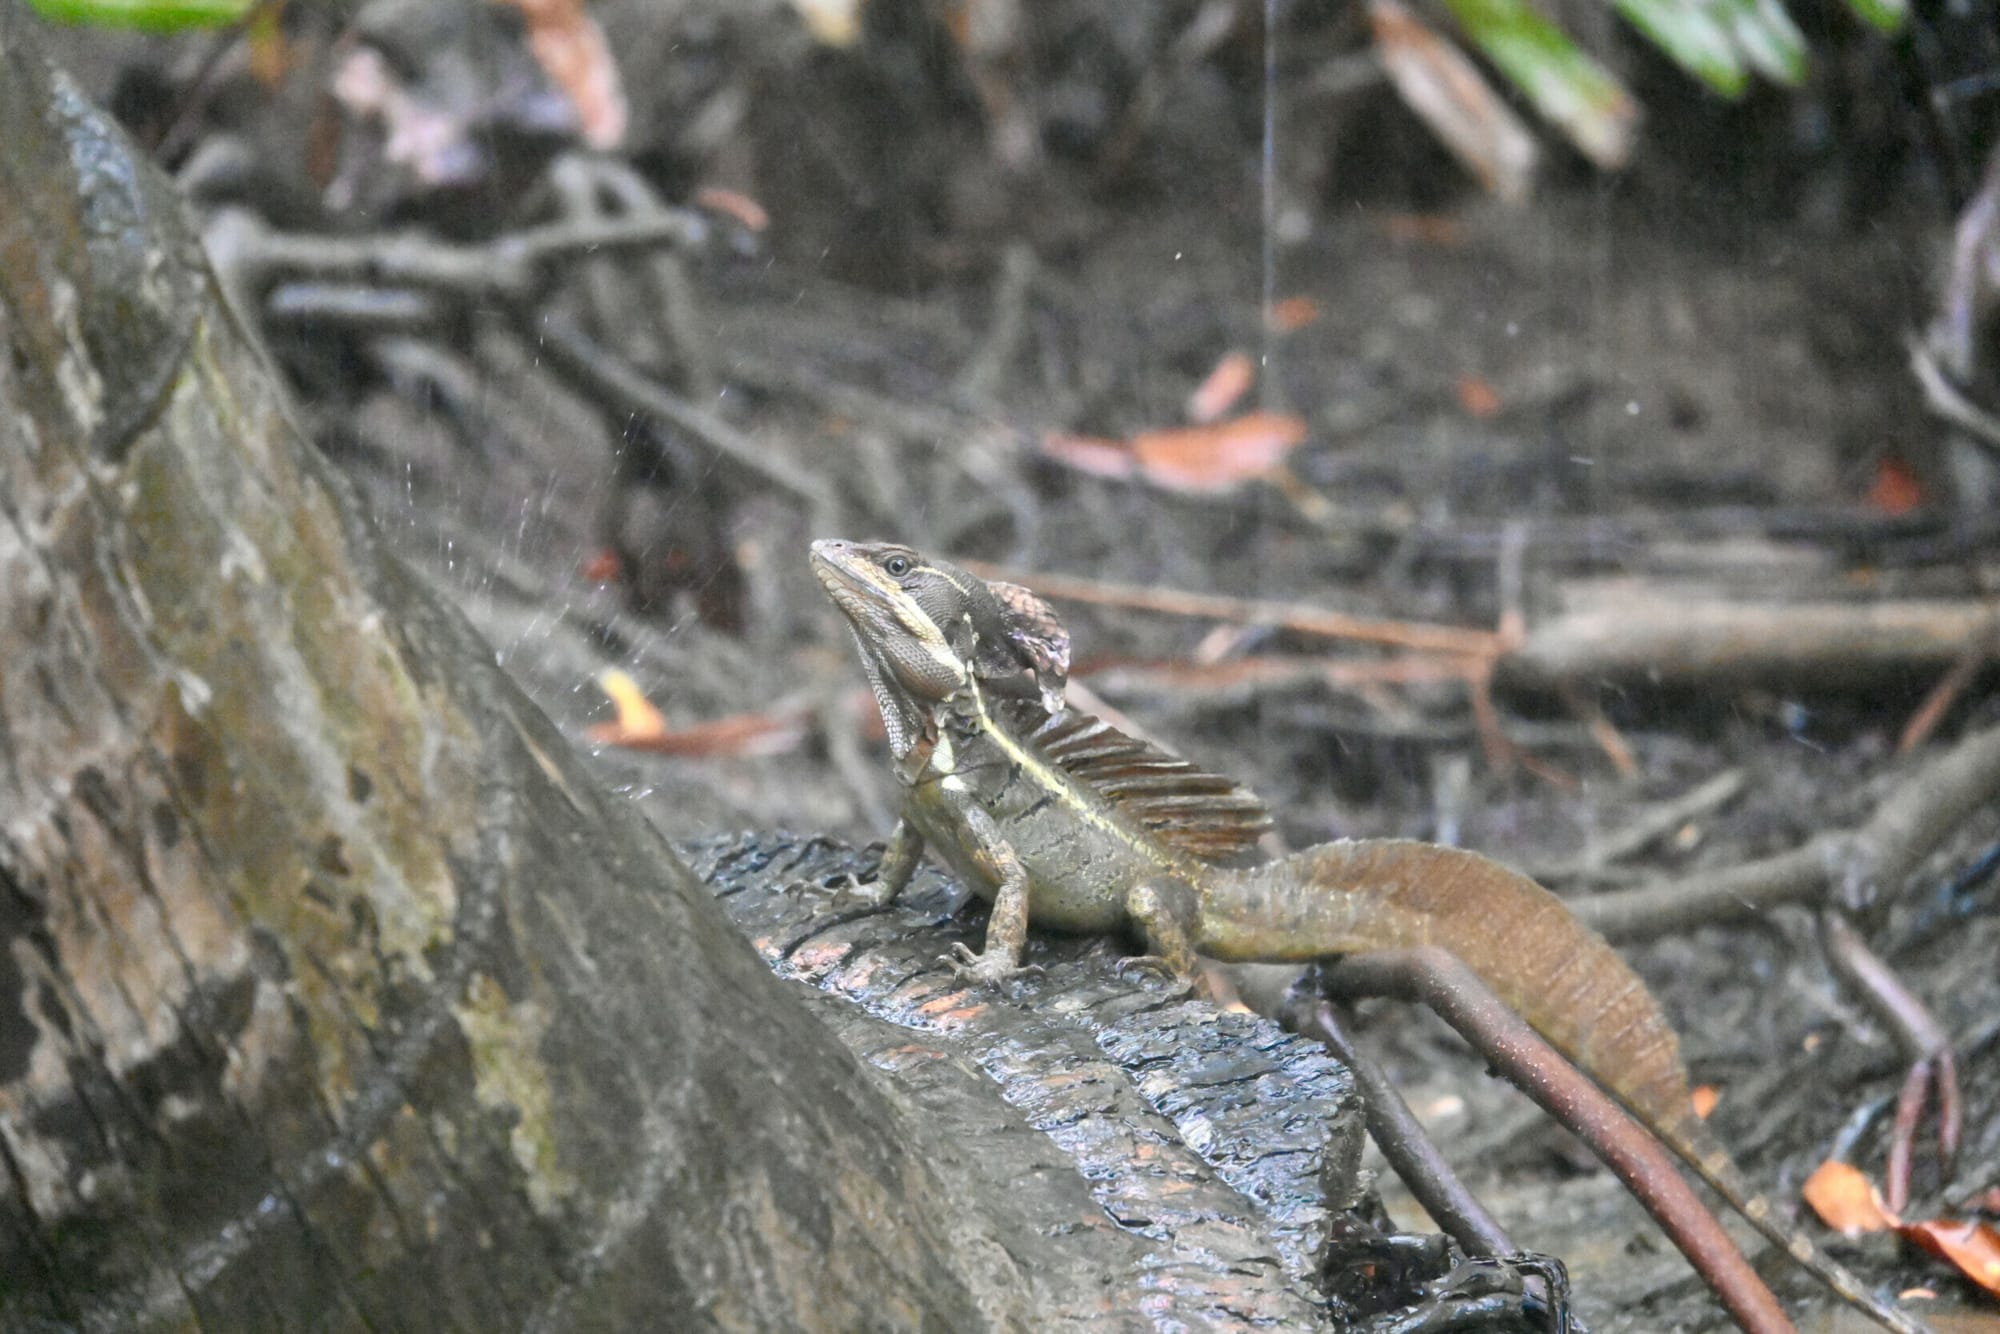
x=903, y=610
x=926, y=629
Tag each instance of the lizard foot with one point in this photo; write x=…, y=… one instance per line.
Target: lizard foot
x=988, y=969
x=1133, y=966
x=844, y=895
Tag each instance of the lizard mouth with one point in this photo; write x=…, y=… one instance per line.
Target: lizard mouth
x=897, y=640
x=847, y=584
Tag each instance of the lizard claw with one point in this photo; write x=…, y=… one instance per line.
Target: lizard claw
x=1156, y=965
x=989, y=969
x=846, y=894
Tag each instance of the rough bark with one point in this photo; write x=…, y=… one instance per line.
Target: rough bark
x=332, y=992
x=1224, y=1148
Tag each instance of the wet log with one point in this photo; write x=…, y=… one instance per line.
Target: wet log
x=335, y=993
x=1229, y=1146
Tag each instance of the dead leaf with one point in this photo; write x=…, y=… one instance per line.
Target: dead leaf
x=637, y=718
x=738, y=736
x=733, y=204
x=1706, y=1097
x=1090, y=453
x=1227, y=383
x=640, y=726
x=603, y=568
x=1218, y=456
x=571, y=50
x=1846, y=1200
x=1432, y=229
x=1446, y=90
x=1478, y=397
x=1197, y=459
x=1972, y=1245
x=1292, y=314
x=831, y=22
x=1896, y=489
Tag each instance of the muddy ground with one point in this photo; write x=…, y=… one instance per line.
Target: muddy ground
x=1694, y=375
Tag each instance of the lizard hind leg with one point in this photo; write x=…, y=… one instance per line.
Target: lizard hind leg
x=1165, y=920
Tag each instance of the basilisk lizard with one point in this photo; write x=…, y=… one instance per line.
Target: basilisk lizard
x=1060, y=820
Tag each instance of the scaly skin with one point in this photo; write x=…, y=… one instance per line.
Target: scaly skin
x=1008, y=795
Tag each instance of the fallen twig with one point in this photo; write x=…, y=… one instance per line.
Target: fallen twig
x=1633, y=632
x=1942, y=696
x=1858, y=863
x=1655, y=823
x=512, y=266
x=1298, y=617
x=610, y=377
x=1922, y=1040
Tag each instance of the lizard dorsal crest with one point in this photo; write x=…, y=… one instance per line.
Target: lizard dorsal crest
x=1202, y=814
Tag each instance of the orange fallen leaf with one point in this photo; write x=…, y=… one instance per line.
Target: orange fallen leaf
x=603, y=568
x=1705, y=1098
x=1896, y=489
x=733, y=204
x=570, y=48
x=640, y=726
x=1846, y=1200
x=1478, y=397
x=1217, y=394
x=1971, y=1245
x=1433, y=229
x=1207, y=458
x=1217, y=457
x=737, y=736
x=1090, y=453
x=1292, y=314
x=637, y=718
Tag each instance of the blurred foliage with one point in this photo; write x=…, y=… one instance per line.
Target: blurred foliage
x=145, y=15
x=1722, y=43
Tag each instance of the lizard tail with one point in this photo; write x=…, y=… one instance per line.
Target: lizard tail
x=1558, y=974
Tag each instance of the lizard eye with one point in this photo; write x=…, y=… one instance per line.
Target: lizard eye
x=897, y=566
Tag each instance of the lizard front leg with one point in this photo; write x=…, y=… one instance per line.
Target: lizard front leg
x=1007, y=928
x=854, y=897
x=899, y=863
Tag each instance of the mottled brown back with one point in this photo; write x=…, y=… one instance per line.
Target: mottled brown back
x=1204, y=815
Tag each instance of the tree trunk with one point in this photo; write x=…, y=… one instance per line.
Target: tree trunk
x=333, y=992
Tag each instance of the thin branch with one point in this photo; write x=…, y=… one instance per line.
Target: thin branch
x=1409, y=1148
x=510, y=267
x=1436, y=979
x=1635, y=633
x=1294, y=616
x=609, y=376
x=1655, y=823
x=1860, y=863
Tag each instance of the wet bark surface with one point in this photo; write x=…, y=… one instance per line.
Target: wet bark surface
x=1223, y=1140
